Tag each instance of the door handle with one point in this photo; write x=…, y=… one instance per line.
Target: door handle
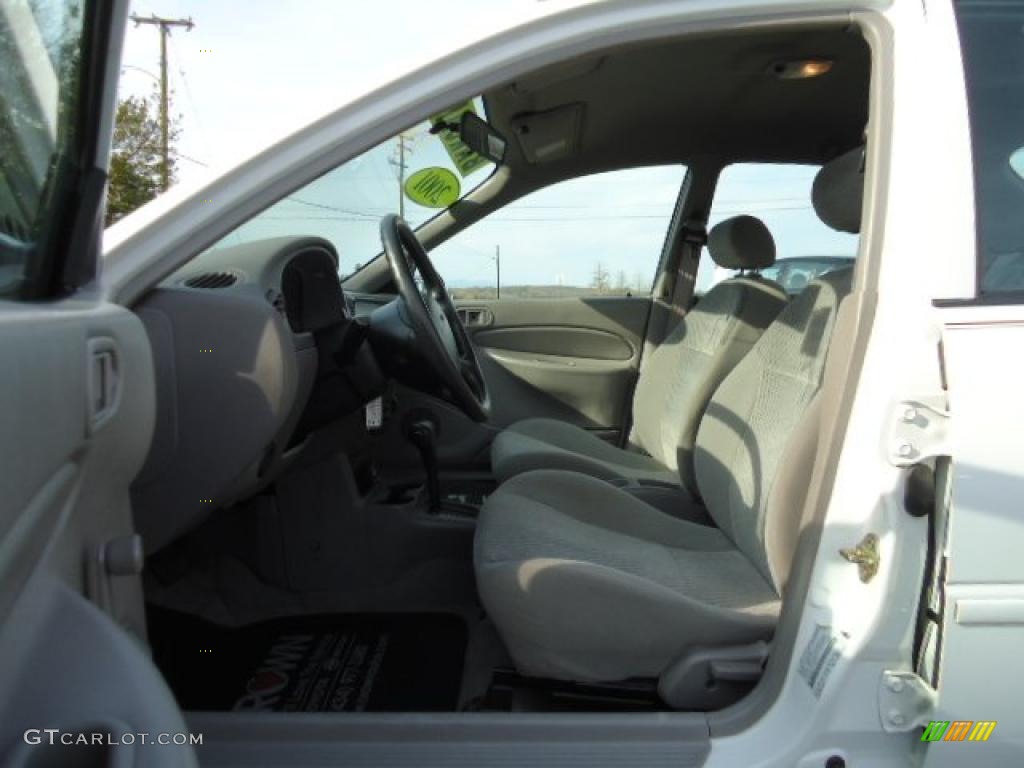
x=104, y=381
x=474, y=316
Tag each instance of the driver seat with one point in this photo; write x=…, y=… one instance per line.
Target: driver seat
x=586, y=582
x=676, y=383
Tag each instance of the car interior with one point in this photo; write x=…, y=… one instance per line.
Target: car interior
x=575, y=504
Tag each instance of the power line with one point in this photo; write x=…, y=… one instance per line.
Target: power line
x=326, y=207
x=191, y=100
x=176, y=153
x=637, y=216
x=369, y=216
x=611, y=206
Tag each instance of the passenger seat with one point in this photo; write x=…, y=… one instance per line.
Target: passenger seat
x=676, y=382
x=587, y=582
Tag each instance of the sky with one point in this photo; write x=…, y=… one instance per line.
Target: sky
x=251, y=72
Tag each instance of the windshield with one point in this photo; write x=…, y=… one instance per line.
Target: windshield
x=415, y=174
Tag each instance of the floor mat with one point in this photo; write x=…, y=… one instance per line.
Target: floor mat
x=367, y=662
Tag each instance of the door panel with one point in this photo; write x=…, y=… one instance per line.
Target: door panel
x=76, y=417
x=574, y=360
x=65, y=441
x=569, y=359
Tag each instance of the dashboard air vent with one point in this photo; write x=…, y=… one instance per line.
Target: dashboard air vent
x=212, y=280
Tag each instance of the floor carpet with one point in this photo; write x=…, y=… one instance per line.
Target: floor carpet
x=367, y=662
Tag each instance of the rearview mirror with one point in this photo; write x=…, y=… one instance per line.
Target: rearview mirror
x=477, y=134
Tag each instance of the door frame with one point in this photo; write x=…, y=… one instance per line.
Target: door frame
x=152, y=245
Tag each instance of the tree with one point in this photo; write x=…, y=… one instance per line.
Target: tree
x=600, y=282
x=135, y=157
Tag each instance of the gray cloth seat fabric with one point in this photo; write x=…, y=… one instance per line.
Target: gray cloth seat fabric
x=675, y=384
x=838, y=191
x=585, y=582
x=533, y=443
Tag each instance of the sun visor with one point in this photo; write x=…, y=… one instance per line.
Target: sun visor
x=550, y=135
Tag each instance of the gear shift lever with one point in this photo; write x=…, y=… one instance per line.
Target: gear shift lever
x=423, y=434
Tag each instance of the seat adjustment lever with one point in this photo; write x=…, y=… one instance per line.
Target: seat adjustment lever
x=709, y=678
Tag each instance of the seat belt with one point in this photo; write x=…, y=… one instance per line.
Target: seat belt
x=672, y=300
x=692, y=238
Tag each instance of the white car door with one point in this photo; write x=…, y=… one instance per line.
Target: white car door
x=76, y=413
x=976, y=608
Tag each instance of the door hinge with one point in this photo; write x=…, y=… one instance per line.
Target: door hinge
x=920, y=430
x=866, y=556
x=905, y=701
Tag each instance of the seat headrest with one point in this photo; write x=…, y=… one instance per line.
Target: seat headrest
x=838, y=191
x=742, y=242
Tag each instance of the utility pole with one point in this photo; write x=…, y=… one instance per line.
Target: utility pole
x=497, y=270
x=404, y=146
x=165, y=29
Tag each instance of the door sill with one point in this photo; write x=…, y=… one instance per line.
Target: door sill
x=645, y=740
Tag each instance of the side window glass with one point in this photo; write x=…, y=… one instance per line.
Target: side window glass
x=598, y=235
x=41, y=61
x=990, y=35
x=779, y=195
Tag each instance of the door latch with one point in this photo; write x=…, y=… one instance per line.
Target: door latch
x=865, y=555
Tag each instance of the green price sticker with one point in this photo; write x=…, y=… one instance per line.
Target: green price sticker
x=465, y=159
x=433, y=187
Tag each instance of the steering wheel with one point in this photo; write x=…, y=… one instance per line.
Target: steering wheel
x=437, y=326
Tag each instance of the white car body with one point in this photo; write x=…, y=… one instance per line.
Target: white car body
x=918, y=249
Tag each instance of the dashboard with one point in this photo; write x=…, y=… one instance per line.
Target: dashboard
x=255, y=348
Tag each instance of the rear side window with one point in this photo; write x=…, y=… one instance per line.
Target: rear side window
x=780, y=195
x=992, y=39
x=598, y=235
